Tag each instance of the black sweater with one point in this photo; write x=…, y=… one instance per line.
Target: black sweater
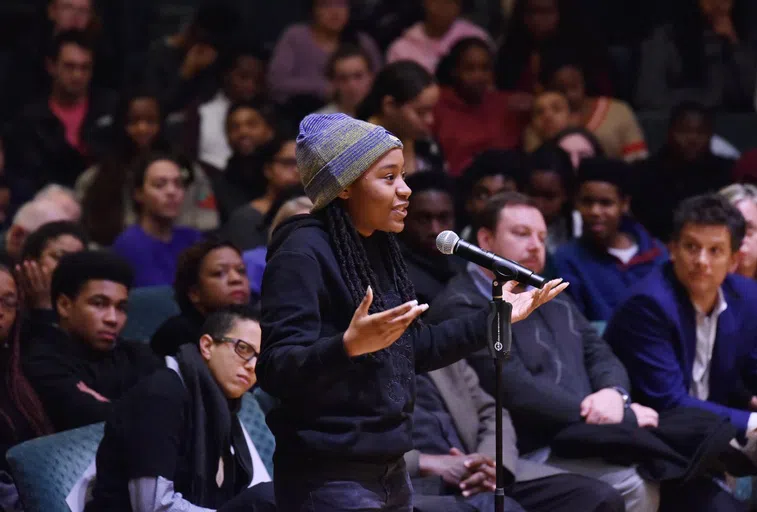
x=333, y=407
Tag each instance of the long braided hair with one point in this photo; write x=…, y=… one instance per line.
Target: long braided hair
x=353, y=260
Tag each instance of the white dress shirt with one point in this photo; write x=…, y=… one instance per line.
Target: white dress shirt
x=213, y=147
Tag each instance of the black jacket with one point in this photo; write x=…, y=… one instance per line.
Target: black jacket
x=39, y=147
x=56, y=364
x=334, y=408
x=557, y=360
x=430, y=274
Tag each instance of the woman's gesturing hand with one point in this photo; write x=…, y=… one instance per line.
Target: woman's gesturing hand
x=371, y=333
x=525, y=303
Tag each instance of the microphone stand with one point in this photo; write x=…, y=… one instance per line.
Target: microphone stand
x=499, y=336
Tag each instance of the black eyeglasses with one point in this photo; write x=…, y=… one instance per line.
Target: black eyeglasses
x=243, y=349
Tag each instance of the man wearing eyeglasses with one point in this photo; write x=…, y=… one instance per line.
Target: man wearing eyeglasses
x=174, y=442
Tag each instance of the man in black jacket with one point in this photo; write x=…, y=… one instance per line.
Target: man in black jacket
x=80, y=366
x=561, y=372
x=58, y=135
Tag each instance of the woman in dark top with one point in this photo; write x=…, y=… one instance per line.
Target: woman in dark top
x=340, y=339
x=279, y=169
x=210, y=275
x=22, y=415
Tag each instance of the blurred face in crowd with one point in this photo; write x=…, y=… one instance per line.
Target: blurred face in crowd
x=415, y=118
x=246, y=79
x=748, y=252
x=486, y=187
x=222, y=281
x=246, y=129
x=69, y=14
x=71, y=72
x=331, y=15
x=430, y=212
x=143, y=121
x=281, y=172
x=570, y=81
x=441, y=14
x=96, y=315
x=8, y=303
x=551, y=114
x=474, y=73
x=542, y=18
x=58, y=247
x=548, y=193
x=378, y=200
x=714, y=9
x=689, y=136
x=702, y=257
x=520, y=236
x=162, y=192
x=602, y=207
x=227, y=358
x=578, y=147
x=352, y=79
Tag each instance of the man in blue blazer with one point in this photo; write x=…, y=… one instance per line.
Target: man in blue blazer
x=687, y=334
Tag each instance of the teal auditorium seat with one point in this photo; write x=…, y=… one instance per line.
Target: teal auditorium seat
x=148, y=308
x=45, y=469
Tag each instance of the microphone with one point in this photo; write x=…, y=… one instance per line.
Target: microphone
x=449, y=243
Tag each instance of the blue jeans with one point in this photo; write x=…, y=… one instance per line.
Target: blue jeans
x=310, y=486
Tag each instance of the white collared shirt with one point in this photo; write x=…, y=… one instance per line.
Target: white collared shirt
x=213, y=146
x=707, y=330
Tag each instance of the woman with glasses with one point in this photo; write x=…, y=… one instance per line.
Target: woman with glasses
x=22, y=415
x=175, y=441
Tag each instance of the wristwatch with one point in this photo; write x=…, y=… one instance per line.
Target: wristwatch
x=624, y=394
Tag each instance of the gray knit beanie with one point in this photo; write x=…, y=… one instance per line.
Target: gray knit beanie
x=334, y=150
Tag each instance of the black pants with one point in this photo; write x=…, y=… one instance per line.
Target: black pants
x=312, y=487
x=700, y=495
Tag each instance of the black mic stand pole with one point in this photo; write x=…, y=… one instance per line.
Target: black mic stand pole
x=499, y=335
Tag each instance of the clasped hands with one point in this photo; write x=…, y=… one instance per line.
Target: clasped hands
x=472, y=473
x=606, y=407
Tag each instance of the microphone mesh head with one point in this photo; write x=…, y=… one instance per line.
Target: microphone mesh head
x=446, y=241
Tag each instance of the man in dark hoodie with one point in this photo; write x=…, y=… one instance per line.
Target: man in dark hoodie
x=80, y=366
x=431, y=211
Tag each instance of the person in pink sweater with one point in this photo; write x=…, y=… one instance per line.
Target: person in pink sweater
x=429, y=40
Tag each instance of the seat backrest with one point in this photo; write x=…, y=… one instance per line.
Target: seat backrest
x=149, y=307
x=253, y=419
x=45, y=469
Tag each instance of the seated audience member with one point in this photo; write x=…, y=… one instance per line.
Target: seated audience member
x=706, y=55
x=42, y=252
x=427, y=41
x=745, y=168
x=454, y=436
x=249, y=126
x=537, y=27
x=402, y=100
x=57, y=137
x=29, y=218
x=431, y=210
x=297, y=70
x=62, y=196
x=153, y=244
x=561, y=372
x=243, y=80
x=175, y=442
x=23, y=416
x=351, y=75
x=550, y=183
x=279, y=167
x=614, y=251
x=550, y=115
x=210, y=275
x=290, y=203
x=491, y=172
x=579, y=143
x=688, y=333
x=105, y=189
x=471, y=115
x=610, y=120
x=80, y=366
x=183, y=67
x=744, y=197
x=684, y=167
